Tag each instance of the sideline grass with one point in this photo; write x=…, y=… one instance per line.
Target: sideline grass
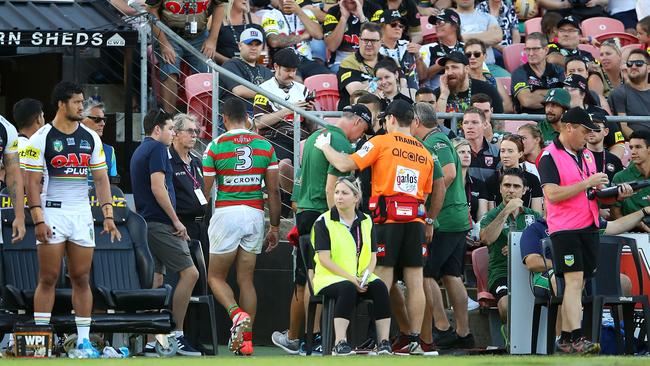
x=343, y=361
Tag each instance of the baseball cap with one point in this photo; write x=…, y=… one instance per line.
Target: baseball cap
x=597, y=114
x=389, y=16
x=362, y=112
x=558, y=96
x=286, y=57
x=398, y=108
x=446, y=15
x=579, y=116
x=576, y=81
x=569, y=20
x=251, y=34
x=453, y=56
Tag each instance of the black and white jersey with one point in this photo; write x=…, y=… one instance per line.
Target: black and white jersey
x=8, y=138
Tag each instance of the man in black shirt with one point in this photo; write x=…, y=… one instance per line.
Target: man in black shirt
x=250, y=46
x=606, y=162
x=456, y=87
x=191, y=204
x=568, y=30
x=409, y=12
x=532, y=80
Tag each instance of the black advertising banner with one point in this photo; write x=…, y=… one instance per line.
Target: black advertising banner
x=61, y=38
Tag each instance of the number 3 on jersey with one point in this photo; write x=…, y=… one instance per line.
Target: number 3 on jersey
x=244, y=159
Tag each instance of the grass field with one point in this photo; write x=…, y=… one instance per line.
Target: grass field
x=344, y=361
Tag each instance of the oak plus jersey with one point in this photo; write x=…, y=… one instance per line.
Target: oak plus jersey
x=239, y=158
x=64, y=161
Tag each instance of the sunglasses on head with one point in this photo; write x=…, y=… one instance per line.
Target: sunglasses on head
x=97, y=119
x=637, y=63
x=476, y=54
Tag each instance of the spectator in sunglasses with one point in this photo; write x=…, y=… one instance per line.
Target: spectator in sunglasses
x=394, y=46
x=475, y=52
x=95, y=119
x=633, y=98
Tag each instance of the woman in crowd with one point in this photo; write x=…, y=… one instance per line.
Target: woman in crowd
x=238, y=17
x=511, y=154
x=531, y=137
x=388, y=83
x=401, y=51
x=609, y=75
x=345, y=261
x=474, y=187
x=578, y=67
x=475, y=52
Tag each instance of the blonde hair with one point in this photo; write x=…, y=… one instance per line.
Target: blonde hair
x=354, y=185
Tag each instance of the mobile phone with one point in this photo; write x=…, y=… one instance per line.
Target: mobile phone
x=364, y=279
x=311, y=96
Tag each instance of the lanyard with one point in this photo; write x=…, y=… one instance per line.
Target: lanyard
x=359, y=242
x=195, y=183
x=295, y=24
x=579, y=165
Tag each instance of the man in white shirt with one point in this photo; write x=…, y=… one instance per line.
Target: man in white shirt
x=479, y=25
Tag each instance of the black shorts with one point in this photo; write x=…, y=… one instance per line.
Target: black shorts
x=446, y=254
x=304, y=222
x=499, y=288
x=401, y=244
x=575, y=251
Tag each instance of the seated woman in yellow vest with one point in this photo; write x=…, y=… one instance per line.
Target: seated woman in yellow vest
x=345, y=248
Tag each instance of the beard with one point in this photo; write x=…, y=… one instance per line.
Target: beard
x=72, y=117
x=638, y=79
x=457, y=83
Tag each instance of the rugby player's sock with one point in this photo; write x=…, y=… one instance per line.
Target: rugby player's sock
x=179, y=333
x=83, y=328
x=576, y=334
x=248, y=334
x=42, y=318
x=234, y=310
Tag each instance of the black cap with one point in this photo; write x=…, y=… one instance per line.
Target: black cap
x=576, y=81
x=453, y=56
x=362, y=112
x=598, y=114
x=389, y=16
x=447, y=15
x=579, y=116
x=398, y=108
x=569, y=20
x=286, y=57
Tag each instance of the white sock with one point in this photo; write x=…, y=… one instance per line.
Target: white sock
x=83, y=328
x=179, y=333
x=42, y=318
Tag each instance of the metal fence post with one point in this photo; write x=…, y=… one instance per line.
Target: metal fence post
x=143, y=32
x=215, y=102
x=296, y=144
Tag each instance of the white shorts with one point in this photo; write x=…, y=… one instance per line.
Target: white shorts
x=236, y=226
x=75, y=228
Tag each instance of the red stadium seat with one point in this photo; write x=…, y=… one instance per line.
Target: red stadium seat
x=512, y=56
x=512, y=126
x=480, y=260
x=624, y=38
x=198, y=88
x=327, y=91
x=630, y=47
x=591, y=49
x=429, y=34
x=596, y=26
x=506, y=82
x=533, y=25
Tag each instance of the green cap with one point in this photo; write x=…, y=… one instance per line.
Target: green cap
x=558, y=96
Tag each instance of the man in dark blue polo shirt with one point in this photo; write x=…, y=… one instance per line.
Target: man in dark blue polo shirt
x=155, y=200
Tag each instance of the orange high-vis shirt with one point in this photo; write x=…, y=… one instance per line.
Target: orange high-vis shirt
x=400, y=165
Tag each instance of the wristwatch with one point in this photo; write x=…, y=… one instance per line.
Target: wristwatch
x=429, y=221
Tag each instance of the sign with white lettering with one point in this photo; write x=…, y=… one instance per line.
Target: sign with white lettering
x=59, y=38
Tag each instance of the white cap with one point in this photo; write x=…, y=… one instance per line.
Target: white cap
x=251, y=34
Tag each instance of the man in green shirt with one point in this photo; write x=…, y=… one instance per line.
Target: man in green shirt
x=316, y=195
x=495, y=229
x=447, y=249
x=639, y=169
x=556, y=102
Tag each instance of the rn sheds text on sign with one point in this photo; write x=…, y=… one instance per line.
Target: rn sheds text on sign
x=62, y=39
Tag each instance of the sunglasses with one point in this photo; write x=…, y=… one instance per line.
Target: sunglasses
x=637, y=63
x=97, y=119
x=476, y=54
x=397, y=25
x=195, y=131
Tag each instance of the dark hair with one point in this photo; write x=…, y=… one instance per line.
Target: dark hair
x=26, y=111
x=234, y=109
x=643, y=135
x=357, y=94
x=371, y=27
x=538, y=36
x=535, y=132
x=637, y=51
x=550, y=19
x=424, y=90
x=388, y=64
x=645, y=24
x=473, y=41
x=518, y=141
x=63, y=91
x=515, y=172
x=474, y=110
x=369, y=99
x=574, y=58
x=155, y=118
x=480, y=98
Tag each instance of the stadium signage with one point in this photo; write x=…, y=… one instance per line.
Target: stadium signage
x=60, y=38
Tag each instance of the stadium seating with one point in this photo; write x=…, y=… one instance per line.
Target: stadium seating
x=533, y=25
x=623, y=38
x=429, y=34
x=326, y=87
x=598, y=25
x=512, y=56
x=595, y=52
x=198, y=89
